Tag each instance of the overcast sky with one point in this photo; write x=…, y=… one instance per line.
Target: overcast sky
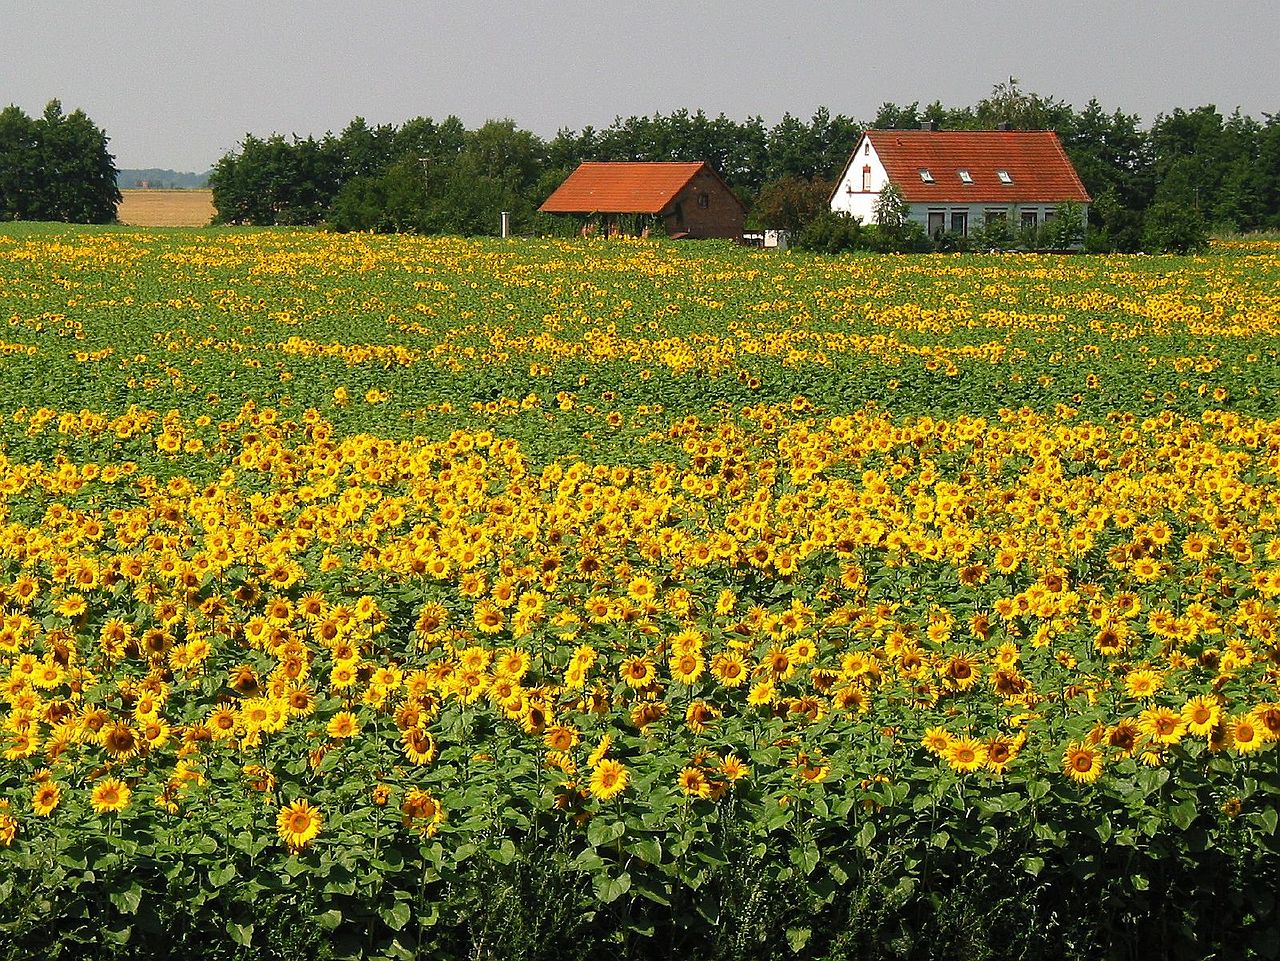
x=177, y=85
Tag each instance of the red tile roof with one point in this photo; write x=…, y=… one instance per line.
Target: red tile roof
x=1038, y=167
x=621, y=188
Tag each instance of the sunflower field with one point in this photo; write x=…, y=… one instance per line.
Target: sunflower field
x=393, y=597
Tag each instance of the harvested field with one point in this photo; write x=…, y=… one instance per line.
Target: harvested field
x=166, y=208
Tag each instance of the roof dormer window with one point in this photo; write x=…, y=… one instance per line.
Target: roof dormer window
x=964, y=176
x=925, y=175
x=1004, y=176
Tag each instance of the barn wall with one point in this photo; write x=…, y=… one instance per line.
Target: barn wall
x=722, y=217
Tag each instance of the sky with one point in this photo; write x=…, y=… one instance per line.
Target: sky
x=177, y=85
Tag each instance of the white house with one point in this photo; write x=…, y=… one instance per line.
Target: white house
x=959, y=180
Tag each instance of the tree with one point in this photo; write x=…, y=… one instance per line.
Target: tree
x=891, y=209
x=791, y=203
x=19, y=165
x=1174, y=228
x=1067, y=230
x=56, y=167
x=1008, y=104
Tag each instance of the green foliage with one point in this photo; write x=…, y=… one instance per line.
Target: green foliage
x=832, y=233
x=55, y=167
x=891, y=208
x=1066, y=231
x=791, y=203
x=1171, y=227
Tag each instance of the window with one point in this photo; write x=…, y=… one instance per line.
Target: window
x=937, y=222
x=866, y=149
x=960, y=222
x=925, y=175
x=1004, y=176
x=866, y=178
x=1028, y=219
x=704, y=200
x=964, y=176
x=995, y=216
x=1050, y=215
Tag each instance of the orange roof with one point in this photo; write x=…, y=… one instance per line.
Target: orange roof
x=621, y=188
x=1037, y=167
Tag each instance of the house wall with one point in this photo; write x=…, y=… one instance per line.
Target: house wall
x=849, y=197
x=722, y=217
x=977, y=214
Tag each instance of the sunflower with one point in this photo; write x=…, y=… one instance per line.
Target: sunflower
x=298, y=824
x=1143, y=683
x=638, y=672
x=1267, y=717
x=734, y=768
x=1111, y=640
x=1246, y=735
x=1162, y=725
x=608, y=779
x=1124, y=736
x=965, y=754
x=1082, y=762
x=343, y=725
x=600, y=750
x=694, y=783
x=560, y=737
x=419, y=746
x=110, y=794
x=730, y=668
x=1201, y=715
x=686, y=668
x=1001, y=752
x=961, y=671
x=45, y=798
x=120, y=740
x=762, y=693
x=222, y=723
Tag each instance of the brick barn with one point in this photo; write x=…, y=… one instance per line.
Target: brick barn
x=684, y=200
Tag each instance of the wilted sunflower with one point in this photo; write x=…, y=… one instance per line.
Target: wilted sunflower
x=421, y=812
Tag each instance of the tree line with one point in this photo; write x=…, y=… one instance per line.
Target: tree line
x=55, y=167
x=1191, y=171
x=1196, y=169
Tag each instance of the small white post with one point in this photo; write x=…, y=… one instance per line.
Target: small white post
x=506, y=223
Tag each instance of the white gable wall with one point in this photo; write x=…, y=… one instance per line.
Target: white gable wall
x=849, y=197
